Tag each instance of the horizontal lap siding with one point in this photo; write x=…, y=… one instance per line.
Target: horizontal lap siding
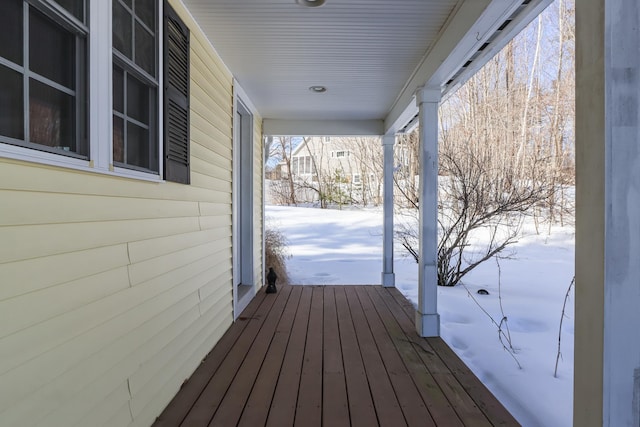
x=113, y=290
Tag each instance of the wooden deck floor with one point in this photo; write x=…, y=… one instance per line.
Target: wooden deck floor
x=332, y=356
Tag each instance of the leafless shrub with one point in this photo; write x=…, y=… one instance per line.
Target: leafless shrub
x=479, y=192
x=562, y=316
x=276, y=253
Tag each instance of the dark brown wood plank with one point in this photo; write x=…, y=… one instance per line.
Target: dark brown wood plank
x=414, y=409
x=309, y=408
x=487, y=402
x=285, y=398
x=335, y=408
x=207, y=403
x=433, y=393
x=462, y=403
x=361, y=409
x=384, y=397
x=257, y=408
x=234, y=400
x=182, y=402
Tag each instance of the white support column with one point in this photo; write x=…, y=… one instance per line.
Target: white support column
x=427, y=317
x=388, y=276
x=607, y=342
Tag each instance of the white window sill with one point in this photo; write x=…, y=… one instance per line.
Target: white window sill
x=50, y=159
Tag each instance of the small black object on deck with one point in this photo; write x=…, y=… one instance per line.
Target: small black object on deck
x=271, y=281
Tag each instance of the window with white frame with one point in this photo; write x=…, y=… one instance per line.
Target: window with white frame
x=135, y=84
x=302, y=165
x=43, y=76
x=356, y=178
x=342, y=154
x=47, y=90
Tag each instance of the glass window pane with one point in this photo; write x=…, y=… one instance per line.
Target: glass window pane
x=118, y=139
x=52, y=51
x=51, y=117
x=75, y=7
x=137, y=146
x=145, y=10
x=145, y=50
x=11, y=104
x=137, y=100
x=122, y=39
x=128, y=3
x=118, y=89
x=11, y=34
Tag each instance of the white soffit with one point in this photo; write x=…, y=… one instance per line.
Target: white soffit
x=371, y=55
x=363, y=51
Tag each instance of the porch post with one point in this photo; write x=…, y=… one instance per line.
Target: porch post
x=388, y=276
x=607, y=344
x=427, y=317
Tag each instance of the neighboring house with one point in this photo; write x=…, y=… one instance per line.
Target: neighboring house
x=351, y=164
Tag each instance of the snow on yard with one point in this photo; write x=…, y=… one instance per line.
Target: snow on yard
x=345, y=247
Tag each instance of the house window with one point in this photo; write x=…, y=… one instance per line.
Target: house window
x=356, y=178
x=135, y=85
x=47, y=85
x=326, y=139
x=43, y=76
x=342, y=154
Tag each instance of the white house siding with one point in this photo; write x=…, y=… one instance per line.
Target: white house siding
x=112, y=290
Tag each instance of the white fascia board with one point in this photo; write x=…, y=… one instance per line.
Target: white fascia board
x=276, y=127
x=473, y=24
x=518, y=23
x=455, y=32
x=299, y=147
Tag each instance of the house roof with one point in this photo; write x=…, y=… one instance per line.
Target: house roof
x=371, y=55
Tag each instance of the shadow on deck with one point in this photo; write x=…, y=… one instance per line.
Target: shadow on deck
x=332, y=356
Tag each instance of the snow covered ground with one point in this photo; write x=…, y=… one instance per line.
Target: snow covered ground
x=345, y=247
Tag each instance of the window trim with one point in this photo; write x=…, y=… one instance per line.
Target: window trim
x=11, y=147
x=99, y=97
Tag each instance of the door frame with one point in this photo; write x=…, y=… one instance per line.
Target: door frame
x=243, y=200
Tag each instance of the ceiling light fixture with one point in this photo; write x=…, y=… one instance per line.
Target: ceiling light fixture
x=318, y=89
x=310, y=3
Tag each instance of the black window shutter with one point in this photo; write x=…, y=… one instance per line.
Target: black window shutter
x=176, y=97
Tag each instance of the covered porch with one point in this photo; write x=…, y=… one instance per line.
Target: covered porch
x=380, y=68
x=333, y=356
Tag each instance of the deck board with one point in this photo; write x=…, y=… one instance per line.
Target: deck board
x=361, y=409
x=285, y=398
x=411, y=403
x=309, y=408
x=335, y=406
x=259, y=402
x=332, y=356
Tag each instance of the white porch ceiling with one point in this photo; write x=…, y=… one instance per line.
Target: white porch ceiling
x=367, y=53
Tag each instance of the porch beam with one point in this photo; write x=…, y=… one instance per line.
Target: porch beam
x=607, y=345
x=388, y=276
x=279, y=127
x=427, y=317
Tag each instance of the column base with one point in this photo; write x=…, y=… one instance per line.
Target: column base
x=428, y=325
x=389, y=280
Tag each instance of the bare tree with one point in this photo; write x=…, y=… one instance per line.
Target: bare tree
x=282, y=148
x=506, y=148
